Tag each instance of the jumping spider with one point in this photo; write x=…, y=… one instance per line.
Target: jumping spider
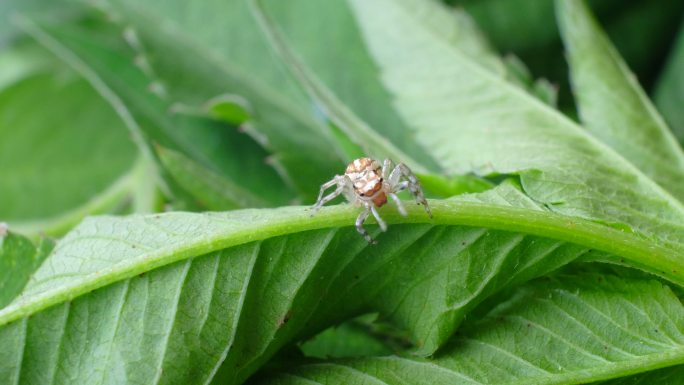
x=366, y=183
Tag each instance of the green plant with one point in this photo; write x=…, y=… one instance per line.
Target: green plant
x=556, y=252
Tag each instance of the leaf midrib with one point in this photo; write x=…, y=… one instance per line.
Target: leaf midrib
x=661, y=260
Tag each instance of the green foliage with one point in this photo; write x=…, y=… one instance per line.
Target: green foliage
x=556, y=251
x=36, y=157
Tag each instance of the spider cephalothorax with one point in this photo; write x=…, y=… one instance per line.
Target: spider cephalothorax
x=368, y=184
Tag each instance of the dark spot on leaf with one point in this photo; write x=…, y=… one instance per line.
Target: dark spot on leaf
x=285, y=319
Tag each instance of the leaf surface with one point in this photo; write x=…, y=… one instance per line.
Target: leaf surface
x=562, y=330
x=19, y=259
x=476, y=122
x=358, y=90
x=217, y=49
x=74, y=124
x=108, y=65
x=168, y=284
x=612, y=104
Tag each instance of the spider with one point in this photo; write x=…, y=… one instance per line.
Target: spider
x=366, y=183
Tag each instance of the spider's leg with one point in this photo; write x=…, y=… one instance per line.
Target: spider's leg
x=337, y=180
x=348, y=189
x=397, y=201
x=381, y=223
x=386, y=167
x=401, y=186
x=359, y=225
x=394, y=177
x=413, y=186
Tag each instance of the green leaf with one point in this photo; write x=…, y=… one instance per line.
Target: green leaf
x=612, y=105
x=373, y=143
x=231, y=289
x=641, y=30
x=221, y=148
x=473, y=121
x=215, y=297
x=230, y=108
x=80, y=159
x=46, y=10
x=668, y=376
x=19, y=258
x=219, y=50
x=355, y=99
x=669, y=95
x=21, y=61
x=213, y=191
x=562, y=330
x=440, y=186
x=356, y=338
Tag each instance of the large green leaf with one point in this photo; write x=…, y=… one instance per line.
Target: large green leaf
x=216, y=50
x=180, y=297
x=213, y=150
x=378, y=127
x=612, y=105
x=566, y=330
x=473, y=121
x=80, y=159
x=205, y=295
x=214, y=147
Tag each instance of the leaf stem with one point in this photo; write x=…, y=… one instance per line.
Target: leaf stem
x=260, y=224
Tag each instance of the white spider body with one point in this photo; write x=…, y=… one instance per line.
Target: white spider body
x=367, y=184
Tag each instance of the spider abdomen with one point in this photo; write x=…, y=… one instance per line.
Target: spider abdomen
x=366, y=176
x=380, y=199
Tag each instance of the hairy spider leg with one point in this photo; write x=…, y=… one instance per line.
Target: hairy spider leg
x=386, y=167
x=359, y=224
x=397, y=201
x=392, y=187
x=381, y=223
x=338, y=180
x=413, y=185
